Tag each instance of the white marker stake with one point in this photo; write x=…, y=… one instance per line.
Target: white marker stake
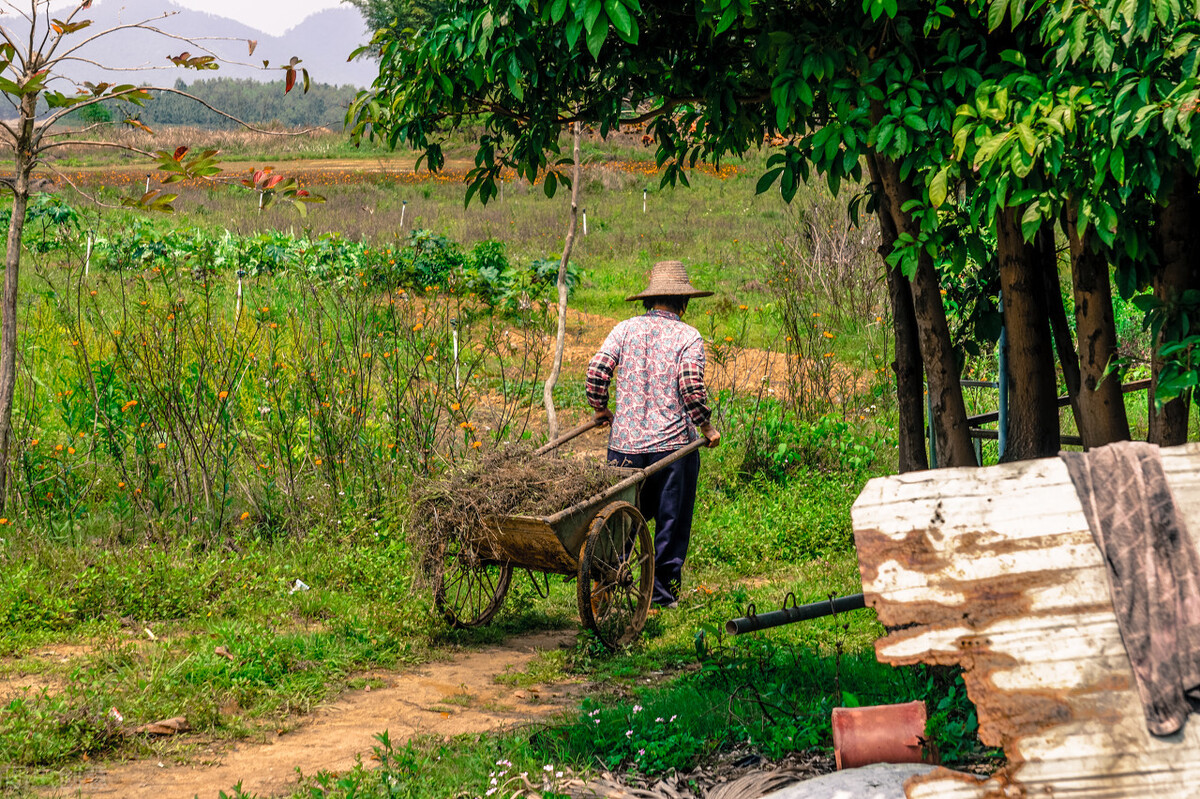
x=403, y=208
x=239, y=298
x=585, y=221
x=457, y=380
x=87, y=259
x=643, y=201
x=147, y=184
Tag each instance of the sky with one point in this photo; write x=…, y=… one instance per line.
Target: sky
x=270, y=16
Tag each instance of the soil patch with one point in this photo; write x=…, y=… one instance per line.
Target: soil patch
x=452, y=698
x=38, y=671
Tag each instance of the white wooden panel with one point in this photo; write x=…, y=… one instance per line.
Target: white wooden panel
x=995, y=570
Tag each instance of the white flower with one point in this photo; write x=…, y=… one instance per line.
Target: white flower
x=659, y=720
x=547, y=768
x=493, y=782
x=637, y=709
x=558, y=774
x=674, y=717
x=491, y=791
x=628, y=733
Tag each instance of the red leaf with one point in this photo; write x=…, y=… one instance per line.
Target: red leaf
x=253, y=45
x=180, y=152
x=291, y=81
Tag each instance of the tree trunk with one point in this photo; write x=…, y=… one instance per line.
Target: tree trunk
x=910, y=393
x=552, y=380
x=1033, y=390
x=1101, y=401
x=12, y=265
x=1178, y=241
x=949, y=422
x=1064, y=344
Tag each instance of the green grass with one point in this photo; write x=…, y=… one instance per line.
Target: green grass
x=98, y=557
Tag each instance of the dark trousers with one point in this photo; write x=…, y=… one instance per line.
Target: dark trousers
x=669, y=499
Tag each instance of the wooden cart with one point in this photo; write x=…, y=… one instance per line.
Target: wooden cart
x=603, y=541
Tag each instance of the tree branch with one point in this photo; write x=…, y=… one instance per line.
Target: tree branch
x=146, y=26
x=49, y=121
x=87, y=143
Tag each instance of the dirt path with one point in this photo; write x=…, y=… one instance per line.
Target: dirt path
x=451, y=698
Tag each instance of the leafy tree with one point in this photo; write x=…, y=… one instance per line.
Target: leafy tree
x=31, y=64
x=399, y=15
x=984, y=127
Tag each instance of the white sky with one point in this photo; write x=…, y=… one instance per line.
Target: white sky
x=270, y=16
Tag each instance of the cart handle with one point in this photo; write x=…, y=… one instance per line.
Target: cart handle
x=567, y=436
x=631, y=480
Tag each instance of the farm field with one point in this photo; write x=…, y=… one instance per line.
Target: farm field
x=221, y=415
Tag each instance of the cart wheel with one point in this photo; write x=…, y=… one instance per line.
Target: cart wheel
x=466, y=589
x=616, y=574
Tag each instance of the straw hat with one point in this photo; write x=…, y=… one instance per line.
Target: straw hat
x=669, y=279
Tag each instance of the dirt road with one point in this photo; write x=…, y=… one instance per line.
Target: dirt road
x=450, y=698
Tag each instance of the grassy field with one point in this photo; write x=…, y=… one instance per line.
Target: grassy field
x=217, y=404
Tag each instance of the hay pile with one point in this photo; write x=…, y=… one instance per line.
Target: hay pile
x=507, y=482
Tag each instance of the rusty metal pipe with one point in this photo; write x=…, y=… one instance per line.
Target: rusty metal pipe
x=777, y=618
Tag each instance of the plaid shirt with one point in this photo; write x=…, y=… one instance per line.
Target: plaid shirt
x=661, y=396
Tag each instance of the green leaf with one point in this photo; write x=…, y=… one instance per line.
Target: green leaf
x=557, y=9
x=572, y=31
x=621, y=20
x=597, y=35
x=1027, y=137
x=592, y=14
x=768, y=180
x=938, y=187
x=1116, y=165
x=550, y=184
x=995, y=14
x=1031, y=221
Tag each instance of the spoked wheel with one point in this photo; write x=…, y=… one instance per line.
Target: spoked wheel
x=616, y=574
x=467, y=589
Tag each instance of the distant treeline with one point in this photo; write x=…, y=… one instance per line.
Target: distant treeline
x=249, y=100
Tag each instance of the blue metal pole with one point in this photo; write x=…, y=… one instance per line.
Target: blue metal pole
x=929, y=428
x=1002, y=437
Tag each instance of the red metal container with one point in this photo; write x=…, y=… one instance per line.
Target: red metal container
x=879, y=734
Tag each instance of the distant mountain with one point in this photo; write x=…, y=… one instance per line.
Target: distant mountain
x=323, y=41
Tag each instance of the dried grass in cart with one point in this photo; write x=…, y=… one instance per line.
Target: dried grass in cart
x=471, y=546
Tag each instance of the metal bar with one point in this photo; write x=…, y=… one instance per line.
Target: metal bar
x=631, y=480
x=993, y=435
x=1002, y=413
x=777, y=618
x=929, y=429
x=567, y=436
x=1063, y=401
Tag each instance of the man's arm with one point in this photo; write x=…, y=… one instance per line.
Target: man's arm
x=695, y=393
x=599, y=376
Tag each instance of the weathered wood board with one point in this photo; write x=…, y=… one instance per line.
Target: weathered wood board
x=995, y=569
